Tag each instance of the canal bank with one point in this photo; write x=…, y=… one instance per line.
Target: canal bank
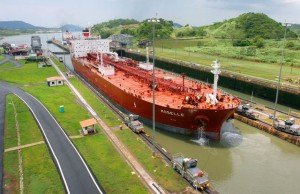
x=265, y=89
x=248, y=161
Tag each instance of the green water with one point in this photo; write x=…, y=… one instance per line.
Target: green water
x=261, y=163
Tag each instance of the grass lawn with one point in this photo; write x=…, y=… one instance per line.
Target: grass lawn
x=204, y=51
x=28, y=74
x=103, y=111
x=59, y=64
x=266, y=70
x=29, y=131
x=40, y=173
x=10, y=133
x=1, y=57
x=11, y=174
x=7, y=65
x=109, y=167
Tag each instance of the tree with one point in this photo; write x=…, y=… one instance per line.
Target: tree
x=241, y=43
x=128, y=31
x=259, y=42
x=164, y=29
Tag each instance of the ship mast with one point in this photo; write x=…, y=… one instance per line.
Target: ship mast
x=216, y=71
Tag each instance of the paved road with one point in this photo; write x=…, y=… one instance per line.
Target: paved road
x=9, y=58
x=3, y=93
x=73, y=170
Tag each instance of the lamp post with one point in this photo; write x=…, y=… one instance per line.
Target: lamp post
x=153, y=21
x=280, y=71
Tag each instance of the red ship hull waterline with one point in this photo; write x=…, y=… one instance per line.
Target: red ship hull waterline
x=182, y=105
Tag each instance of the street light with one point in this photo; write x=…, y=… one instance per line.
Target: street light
x=280, y=71
x=153, y=21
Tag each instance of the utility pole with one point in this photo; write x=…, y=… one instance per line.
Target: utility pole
x=153, y=21
x=280, y=71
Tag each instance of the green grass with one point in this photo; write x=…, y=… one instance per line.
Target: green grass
x=53, y=97
x=108, y=166
x=59, y=64
x=266, y=70
x=10, y=133
x=1, y=56
x=28, y=74
x=11, y=174
x=40, y=173
x=103, y=111
x=29, y=131
x=165, y=176
x=7, y=65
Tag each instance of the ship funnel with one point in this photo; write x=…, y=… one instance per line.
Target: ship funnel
x=216, y=71
x=86, y=33
x=147, y=56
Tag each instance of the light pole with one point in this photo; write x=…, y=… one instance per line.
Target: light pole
x=280, y=71
x=153, y=21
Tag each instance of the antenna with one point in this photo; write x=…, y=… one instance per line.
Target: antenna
x=101, y=60
x=216, y=71
x=147, y=56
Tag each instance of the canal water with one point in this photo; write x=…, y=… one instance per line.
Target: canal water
x=245, y=161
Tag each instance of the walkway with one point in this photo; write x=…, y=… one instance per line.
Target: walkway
x=35, y=143
x=9, y=58
x=76, y=175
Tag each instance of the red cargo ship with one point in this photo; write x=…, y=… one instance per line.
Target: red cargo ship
x=182, y=105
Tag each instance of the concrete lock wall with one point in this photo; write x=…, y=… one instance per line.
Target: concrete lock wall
x=261, y=91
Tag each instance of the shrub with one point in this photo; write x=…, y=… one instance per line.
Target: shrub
x=241, y=43
x=290, y=44
x=249, y=51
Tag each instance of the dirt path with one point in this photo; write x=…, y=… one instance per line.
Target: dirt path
x=34, y=144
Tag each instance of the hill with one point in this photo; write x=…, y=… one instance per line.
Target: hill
x=248, y=25
x=295, y=28
x=141, y=30
x=71, y=28
x=14, y=25
x=116, y=26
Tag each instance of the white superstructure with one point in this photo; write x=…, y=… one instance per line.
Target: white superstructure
x=80, y=48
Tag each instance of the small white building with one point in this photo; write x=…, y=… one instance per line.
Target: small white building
x=55, y=81
x=88, y=126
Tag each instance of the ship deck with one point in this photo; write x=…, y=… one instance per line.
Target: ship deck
x=163, y=97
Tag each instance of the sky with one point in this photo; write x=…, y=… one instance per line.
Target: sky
x=54, y=13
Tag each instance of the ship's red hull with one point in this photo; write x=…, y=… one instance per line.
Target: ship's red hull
x=184, y=121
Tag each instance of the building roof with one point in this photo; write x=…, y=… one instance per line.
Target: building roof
x=88, y=122
x=49, y=79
